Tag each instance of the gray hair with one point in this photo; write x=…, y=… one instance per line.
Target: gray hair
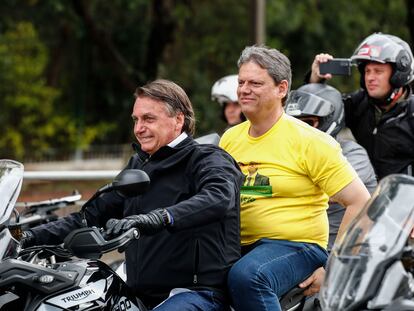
x=276, y=63
x=174, y=98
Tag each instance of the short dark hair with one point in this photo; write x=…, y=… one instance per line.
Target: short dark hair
x=276, y=63
x=174, y=98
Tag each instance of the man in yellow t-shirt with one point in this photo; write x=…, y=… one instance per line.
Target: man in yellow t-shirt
x=284, y=226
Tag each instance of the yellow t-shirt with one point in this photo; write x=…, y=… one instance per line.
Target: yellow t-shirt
x=296, y=169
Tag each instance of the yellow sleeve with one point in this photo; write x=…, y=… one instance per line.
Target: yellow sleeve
x=327, y=166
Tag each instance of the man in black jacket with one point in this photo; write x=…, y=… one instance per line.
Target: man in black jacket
x=189, y=218
x=381, y=114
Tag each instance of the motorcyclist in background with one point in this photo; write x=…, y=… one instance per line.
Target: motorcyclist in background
x=381, y=114
x=224, y=91
x=321, y=106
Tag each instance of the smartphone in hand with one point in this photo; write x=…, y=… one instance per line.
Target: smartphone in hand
x=336, y=66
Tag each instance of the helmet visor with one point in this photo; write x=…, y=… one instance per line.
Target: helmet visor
x=301, y=104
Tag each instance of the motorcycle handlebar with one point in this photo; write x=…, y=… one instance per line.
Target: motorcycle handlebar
x=89, y=242
x=85, y=243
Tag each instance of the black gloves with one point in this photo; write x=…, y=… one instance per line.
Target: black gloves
x=148, y=224
x=27, y=239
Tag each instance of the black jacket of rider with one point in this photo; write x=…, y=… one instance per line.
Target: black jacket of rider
x=390, y=140
x=199, y=186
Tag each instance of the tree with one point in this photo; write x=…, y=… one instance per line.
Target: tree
x=30, y=122
x=301, y=29
x=94, y=54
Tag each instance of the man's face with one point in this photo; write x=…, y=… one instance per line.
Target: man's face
x=377, y=80
x=252, y=168
x=257, y=92
x=153, y=126
x=232, y=112
x=311, y=120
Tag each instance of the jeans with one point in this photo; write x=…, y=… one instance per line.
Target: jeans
x=270, y=269
x=203, y=300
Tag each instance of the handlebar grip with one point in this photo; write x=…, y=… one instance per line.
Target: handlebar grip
x=135, y=234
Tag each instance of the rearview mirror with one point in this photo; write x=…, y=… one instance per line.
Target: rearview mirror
x=129, y=182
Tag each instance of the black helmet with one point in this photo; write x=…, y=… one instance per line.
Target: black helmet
x=321, y=100
x=384, y=48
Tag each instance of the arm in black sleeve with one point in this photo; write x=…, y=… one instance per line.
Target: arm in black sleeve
x=54, y=232
x=108, y=205
x=217, y=181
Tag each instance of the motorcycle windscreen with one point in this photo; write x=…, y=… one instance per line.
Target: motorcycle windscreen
x=11, y=176
x=376, y=237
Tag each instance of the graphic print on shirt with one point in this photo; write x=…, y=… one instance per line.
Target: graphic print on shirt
x=255, y=184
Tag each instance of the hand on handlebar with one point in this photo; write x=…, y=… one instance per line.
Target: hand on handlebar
x=27, y=239
x=148, y=224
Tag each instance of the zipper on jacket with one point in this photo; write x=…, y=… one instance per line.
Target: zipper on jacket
x=145, y=161
x=196, y=261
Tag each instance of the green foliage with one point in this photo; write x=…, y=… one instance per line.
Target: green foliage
x=30, y=122
x=302, y=29
x=208, y=42
x=69, y=68
x=26, y=101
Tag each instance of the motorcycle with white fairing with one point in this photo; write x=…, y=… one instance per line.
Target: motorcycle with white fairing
x=82, y=282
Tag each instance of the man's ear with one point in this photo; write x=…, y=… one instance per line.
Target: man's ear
x=283, y=88
x=180, y=121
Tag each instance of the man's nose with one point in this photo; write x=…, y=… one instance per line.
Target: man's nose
x=244, y=88
x=138, y=127
x=369, y=76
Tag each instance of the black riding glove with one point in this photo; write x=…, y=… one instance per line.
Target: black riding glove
x=148, y=224
x=27, y=239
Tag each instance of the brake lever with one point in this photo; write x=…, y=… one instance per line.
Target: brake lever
x=131, y=234
x=104, y=234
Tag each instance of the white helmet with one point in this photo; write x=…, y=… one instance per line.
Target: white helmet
x=225, y=89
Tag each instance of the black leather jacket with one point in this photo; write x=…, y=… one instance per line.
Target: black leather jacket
x=199, y=186
x=390, y=141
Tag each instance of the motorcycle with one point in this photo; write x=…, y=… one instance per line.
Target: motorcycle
x=372, y=267
x=36, y=213
x=82, y=283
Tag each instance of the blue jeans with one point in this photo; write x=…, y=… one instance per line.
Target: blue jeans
x=270, y=269
x=203, y=300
